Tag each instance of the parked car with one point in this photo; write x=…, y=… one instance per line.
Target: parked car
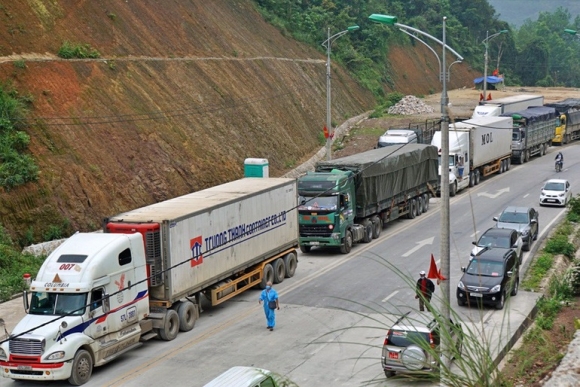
x=397, y=137
x=524, y=220
x=499, y=237
x=488, y=279
x=555, y=192
x=412, y=344
x=249, y=377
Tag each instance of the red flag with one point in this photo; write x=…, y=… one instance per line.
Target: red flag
x=434, y=272
x=325, y=131
x=481, y=96
x=489, y=97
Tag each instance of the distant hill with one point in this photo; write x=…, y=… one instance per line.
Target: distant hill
x=517, y=11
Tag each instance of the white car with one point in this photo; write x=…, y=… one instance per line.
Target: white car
x=555, y=192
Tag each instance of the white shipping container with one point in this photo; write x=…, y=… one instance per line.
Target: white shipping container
x=226, y=228
x=491, y=138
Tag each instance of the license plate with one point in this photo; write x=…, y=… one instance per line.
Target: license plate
x=24, y=368
x=478, y=295
x=314, y=243
x=393, y=355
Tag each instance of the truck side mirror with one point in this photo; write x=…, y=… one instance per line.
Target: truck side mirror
x=25, y=301
x=106, y=303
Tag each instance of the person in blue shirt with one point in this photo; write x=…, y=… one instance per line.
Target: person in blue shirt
x=267, y=295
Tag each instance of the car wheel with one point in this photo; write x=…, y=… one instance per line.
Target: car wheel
x=515, y=288
x=460, y=302
x=526, y=246
x=389, y=374
x=500, y=304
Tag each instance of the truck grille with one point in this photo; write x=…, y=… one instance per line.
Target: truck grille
x=314, y=230
x=21, y=346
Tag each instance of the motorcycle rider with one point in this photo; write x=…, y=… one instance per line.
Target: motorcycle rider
x=560, y=159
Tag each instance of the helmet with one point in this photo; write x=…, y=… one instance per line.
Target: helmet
x=422, y=273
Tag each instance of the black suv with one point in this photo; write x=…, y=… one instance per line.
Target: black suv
x=522, y=219
x=488, y=279
x=412, y=344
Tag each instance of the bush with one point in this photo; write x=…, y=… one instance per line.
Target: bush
x=559, y=244
x=70, y=50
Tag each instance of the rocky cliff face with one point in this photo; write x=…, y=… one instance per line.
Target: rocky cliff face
x=183, y=92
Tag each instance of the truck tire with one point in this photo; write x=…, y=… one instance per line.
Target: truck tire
x=368, y=226
x=347, y=244
x=542, y=150
x=412, y=211
x=425, y=202
x=267, y=276
x=82, y=368
x=419, y=205
x=527, y=155
x=477, y=176
x=377, y=226
x=501, y=167
x=187, y=316
x=279, y=270
x=453, y=188
x=522, y=157
x=305, y=249
x=170, y=326
x=508, y=163
x=471, y=179
x=291, y=263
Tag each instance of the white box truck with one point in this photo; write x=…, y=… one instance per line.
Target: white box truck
x=497, y=107
x=480, y=146
x=99, y=295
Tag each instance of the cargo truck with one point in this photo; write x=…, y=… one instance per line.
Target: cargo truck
x=99, y=295
x=568, y=129
x=497, y=107
x=347, y=200
x=482, y=146
x=533, y=131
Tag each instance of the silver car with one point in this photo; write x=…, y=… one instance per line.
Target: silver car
x=555, y=192
x=524, y=220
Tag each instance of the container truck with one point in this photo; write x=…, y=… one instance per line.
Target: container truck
x=533, y=131
x=568, y=129
x=497, y=107
x=347, y=200
x=99, y=295
x=480, y=146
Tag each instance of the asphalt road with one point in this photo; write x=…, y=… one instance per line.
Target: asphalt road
x=336, y=309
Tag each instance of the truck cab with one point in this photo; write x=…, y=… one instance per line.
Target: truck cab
x=458, y=156
x=84, y=310
x=326, y=209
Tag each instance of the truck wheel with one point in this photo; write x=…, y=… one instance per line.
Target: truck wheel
x=267, y=276
x=527, y=156
x=187, y=316
x=453, y=188
x=377, y=226
x=477, y=176
x=291, y=262
x=171, y=326
x=82, y=368
x=368, y=226
x=305, y=249
x=501, y=167
x=419, y=205
x=508, y=164
x=347, y=245
x=425, y=202
x=279, y=270
x=412, y=211
x=522, y=157
x=542, y=150
x=471, y=179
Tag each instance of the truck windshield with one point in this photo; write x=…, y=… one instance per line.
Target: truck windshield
x=57, y=304
x=318, y=203
x=451, y=160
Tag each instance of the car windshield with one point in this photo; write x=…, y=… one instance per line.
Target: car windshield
x=318, y=203
x=514, y=217
x=492, y=241
x=401, y=338
x=485, y=268
x=552, y=186
x=57, y=304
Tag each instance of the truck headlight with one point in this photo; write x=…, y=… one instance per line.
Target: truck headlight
x=495, y=289
x=55, y=356
x=3, y=355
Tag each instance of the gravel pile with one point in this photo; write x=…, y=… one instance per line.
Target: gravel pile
x=410, y=105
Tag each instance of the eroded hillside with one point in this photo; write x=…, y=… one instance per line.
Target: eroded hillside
x=182, y=94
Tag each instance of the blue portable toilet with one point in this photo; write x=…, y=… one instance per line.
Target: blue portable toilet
x=256, y=168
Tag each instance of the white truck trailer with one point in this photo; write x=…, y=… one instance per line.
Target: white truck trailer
x=482, y=145
x=99, y=295
x=497, y=107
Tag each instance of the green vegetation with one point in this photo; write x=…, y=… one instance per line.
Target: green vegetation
x=13, y=265
x=70, y=50
x=16, y=167
x=20, y=64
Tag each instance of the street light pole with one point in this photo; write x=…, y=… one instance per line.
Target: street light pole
x=328, y=43
x=486, y=44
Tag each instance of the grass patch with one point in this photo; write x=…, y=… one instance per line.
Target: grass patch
x=70, y=50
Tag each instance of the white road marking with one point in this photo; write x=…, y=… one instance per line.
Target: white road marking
x=390, y=296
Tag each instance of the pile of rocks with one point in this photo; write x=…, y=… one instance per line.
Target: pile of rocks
x=410, y=105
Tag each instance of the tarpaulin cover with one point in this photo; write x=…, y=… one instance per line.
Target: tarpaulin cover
x=490, y=79
x=387, y=174
x=534, y=113
x=570, y=107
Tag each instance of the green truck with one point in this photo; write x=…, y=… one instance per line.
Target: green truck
x=348, y=200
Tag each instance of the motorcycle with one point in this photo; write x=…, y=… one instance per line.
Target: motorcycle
x=559, y=165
